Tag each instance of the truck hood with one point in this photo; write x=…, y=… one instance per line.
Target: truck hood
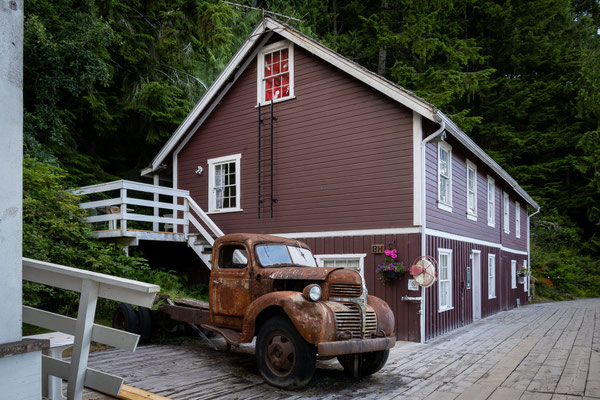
x=299, y=273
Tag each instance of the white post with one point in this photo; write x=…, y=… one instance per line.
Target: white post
x=11, y=163
x=123, y=212
x=156, y=198
x=186, y=217
x=83, y=337
x=175, y=213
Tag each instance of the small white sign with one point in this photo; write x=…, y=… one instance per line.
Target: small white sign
x=413, y=285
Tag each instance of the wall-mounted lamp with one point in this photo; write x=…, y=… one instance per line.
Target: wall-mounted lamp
x=199, y=170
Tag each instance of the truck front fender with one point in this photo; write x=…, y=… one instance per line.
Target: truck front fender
x=313, y=320
x=385, y=316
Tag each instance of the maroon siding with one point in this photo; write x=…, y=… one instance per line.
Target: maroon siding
x=456, y=222
x=509, y=294
x=343, y=154
x=510, y=240
x=409, y=247
x=437, y=322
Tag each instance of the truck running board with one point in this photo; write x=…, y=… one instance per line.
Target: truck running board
x=232, y=337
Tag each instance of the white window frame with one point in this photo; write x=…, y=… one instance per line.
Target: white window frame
x=472, y=208
x=513, y=274
x=449, y=305
x=491, y=202
x=212, y=163
x=517, y=219
x=444, y=205
x=360, y=257
x=491, y=276
x=261, y=69
x=506, y=212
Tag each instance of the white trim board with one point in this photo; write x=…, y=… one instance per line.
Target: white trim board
x=417, y=172
x=452, y=236
x=359, y=232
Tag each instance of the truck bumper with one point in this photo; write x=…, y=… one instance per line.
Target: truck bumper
x=355, y=346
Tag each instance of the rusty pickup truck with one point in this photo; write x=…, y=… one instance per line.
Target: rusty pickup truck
x=270, y=288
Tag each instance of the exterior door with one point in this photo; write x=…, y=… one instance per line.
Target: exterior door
x=476, y=268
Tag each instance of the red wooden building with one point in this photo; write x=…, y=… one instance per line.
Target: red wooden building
x=294, y=139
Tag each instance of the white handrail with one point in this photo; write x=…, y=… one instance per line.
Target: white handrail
x=91, y=285
x=204, y=217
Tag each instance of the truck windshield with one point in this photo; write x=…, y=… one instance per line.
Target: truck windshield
x=271, y=255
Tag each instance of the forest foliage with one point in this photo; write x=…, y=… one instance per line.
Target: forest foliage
x=108, y=81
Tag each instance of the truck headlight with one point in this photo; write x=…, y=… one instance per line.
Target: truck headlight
x=312, y=292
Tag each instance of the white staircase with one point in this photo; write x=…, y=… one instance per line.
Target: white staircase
x=128, y=212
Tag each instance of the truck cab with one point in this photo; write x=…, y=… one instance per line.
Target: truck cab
x=271, y=288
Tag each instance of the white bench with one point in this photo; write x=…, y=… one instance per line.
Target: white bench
x=59, y=342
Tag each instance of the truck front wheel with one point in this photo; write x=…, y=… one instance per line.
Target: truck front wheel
x=365, y=364
x=284, y=358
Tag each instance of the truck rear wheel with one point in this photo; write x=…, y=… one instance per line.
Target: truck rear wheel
x=125, y=318
x=284, y=358
x=368, y=363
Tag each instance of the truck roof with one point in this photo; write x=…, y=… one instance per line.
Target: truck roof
x=250, y=239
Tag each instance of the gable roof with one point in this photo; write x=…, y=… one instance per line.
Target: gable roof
x=258, y=38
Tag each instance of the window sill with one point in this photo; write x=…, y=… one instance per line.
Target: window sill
x=507, y=232
x=492, y=225
x=227, y=210
x=268, y=103
x=472, y=217
x=445, y=207
x=491, y=297
x=445, y=309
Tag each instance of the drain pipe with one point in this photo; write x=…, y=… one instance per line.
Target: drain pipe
x=529, y=247
x=424, y=142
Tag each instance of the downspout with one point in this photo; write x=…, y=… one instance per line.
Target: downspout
x=529, y=247
x=424, y=206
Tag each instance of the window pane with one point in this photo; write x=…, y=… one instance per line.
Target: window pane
x=302, y=256
x=329, y=263
x=273, y=255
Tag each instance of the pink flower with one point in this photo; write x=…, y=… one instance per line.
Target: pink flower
x=388, y=253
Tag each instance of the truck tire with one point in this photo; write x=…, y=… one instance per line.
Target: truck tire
x=368, y=363
x=284, y=358
x=145, y=324
x=125, y=318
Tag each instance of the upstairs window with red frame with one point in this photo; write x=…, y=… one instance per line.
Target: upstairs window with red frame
x=275, y=66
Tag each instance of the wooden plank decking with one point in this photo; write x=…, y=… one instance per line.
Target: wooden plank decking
x=537, y=352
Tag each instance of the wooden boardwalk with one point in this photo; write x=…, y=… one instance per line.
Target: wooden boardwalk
x=541, y=351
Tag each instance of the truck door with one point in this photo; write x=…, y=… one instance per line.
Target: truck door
x=229, y=286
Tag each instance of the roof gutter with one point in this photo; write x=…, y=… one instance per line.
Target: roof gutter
x=529, y=247
x=424, y=142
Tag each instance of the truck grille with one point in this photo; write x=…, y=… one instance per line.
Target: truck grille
x=371, y=323
x=349, y=320
x=345, y=290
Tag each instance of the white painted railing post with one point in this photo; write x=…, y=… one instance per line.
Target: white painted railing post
x=123, y=212
x=155, y=198
x=83, y=337
x=175, y=201
x=186, y=217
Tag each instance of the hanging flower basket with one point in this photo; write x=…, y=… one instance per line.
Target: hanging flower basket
x=391, y=269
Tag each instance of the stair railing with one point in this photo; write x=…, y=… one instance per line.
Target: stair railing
x=213, y=230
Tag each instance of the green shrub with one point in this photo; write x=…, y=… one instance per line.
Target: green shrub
x=562, y=269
